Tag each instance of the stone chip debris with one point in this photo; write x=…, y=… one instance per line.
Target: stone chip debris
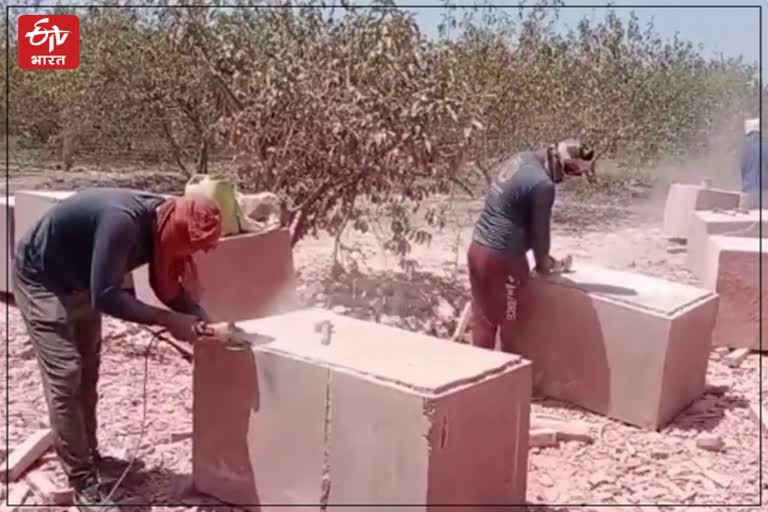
x=735, y=358
x=710, y=442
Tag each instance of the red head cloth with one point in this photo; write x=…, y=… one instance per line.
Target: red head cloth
x=184, y=225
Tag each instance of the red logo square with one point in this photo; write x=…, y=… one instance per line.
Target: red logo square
x=49, y=41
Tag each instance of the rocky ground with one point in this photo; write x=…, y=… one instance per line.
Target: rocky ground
x=623, y=466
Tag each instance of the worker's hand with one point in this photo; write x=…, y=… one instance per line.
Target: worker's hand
x=182, y=327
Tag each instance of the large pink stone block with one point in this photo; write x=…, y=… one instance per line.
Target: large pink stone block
x=246, y=276
x=732, y=270
x=7, y=237
x=377, y=416
x=31, y=205
x=684, y=198
x=626, y=345
x=732, y=223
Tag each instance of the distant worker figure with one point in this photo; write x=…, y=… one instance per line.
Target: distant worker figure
x=515, y=219
x=752, y=172
x=69, y=269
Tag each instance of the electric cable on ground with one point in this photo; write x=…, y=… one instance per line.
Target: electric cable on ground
x=156, y=336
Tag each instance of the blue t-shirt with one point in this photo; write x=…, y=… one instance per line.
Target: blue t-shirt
x=750, y=164
x=518, y=208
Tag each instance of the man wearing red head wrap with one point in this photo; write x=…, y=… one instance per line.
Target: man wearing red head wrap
x=69, y=270
x=183, y=226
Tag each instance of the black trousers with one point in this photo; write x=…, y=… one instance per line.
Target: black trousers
x=65, y=332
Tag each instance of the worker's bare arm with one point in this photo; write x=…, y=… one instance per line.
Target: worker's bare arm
x=543, y=199
x=115, y=237
x=185, y=304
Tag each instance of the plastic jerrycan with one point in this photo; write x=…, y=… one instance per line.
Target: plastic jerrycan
x=221, y=191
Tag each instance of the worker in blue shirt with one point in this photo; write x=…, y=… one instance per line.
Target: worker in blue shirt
x=515, y=219
x=752, y=172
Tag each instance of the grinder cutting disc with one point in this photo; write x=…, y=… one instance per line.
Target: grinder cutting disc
x=228, y=334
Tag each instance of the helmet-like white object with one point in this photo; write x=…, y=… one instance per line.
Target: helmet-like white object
x=751, y=125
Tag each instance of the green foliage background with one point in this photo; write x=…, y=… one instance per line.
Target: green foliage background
x=325, y=106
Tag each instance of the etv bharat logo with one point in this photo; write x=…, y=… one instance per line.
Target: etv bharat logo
x=49, y=42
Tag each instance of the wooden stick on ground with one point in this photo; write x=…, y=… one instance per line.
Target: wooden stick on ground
x=27, y=453
x=461, y=327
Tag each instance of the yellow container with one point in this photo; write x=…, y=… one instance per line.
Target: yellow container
x=221, y=191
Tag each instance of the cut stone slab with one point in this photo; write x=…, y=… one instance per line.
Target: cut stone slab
x=732, y=270
x=247, y=276
x=6, y=234
x=733, y=223
x=378, y=416
x=31, y=205
x=629, y=346
x=682, y=199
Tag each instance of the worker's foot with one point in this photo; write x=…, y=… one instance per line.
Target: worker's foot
x=112, y=467
x=109, y=464
x=90, y=499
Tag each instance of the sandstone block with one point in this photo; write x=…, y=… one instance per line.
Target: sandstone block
x=684, y=198
x=705, y=223
x=732, y=269
x=7, y=237
x=626, y=345
x=377, y=416
x=31, y=205
x=246, y=276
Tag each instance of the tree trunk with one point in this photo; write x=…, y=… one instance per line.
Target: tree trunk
x=202, y=159
x=484, y=170
x=175, y=149
x=68, y=147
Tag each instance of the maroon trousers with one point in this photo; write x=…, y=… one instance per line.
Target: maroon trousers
x=498, y=287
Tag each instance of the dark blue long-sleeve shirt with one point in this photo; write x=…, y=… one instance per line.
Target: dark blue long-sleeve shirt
x=89, y=242
x=750, y=164
x=518, y=209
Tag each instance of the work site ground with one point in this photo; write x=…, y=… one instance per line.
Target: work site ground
x=621, y=465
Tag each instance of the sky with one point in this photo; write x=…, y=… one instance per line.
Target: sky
x=721, y=27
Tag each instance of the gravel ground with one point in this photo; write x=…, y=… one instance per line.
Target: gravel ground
x=623, y=466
